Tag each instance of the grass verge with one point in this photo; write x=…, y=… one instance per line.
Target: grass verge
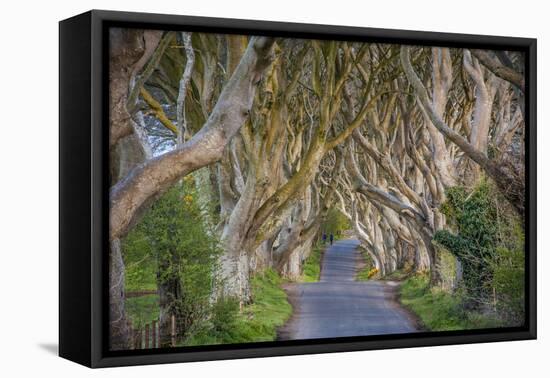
x=366, y=271
x=256, y=322
x=312, y=265
x=439, y=310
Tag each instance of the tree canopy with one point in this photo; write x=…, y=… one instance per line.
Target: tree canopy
x=272, y=141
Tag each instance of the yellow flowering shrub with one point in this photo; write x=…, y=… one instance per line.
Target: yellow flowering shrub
x=372, y=272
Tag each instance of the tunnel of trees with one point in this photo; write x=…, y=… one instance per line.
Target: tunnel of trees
x=231, y=155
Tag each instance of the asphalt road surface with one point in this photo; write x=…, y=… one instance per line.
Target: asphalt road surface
x=339, y=306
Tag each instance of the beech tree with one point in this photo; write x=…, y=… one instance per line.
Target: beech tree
x=275, y=133
x=130, y=194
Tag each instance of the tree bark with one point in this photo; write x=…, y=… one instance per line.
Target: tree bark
x=512, y=188
x=500, y=70
x=131, y=195
x=126, y=49
x=441, y=82
x=183, y=87
x=119, y=334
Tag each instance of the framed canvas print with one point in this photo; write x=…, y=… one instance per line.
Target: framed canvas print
x=233, y=188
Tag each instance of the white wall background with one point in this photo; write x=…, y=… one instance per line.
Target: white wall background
x=29, y=186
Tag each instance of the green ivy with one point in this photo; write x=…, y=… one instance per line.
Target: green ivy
x=487, y=238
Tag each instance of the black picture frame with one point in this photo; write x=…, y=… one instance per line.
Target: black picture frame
x=83, y=196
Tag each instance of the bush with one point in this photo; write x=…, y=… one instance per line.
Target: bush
x=142, y=310
x=171, y=247
x=225, y=313
x=488, y=241
x=372, y=273
x=256, y=322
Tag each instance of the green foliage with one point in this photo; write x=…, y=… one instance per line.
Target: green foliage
x=225, y=313
x=448, y=267
x=335, y=222
x=509, y=285
x=473, y=215
x=312, y=265
x=488, y=241
x=142, y=310
x=256, y=322
x=140, y=262
x=173, y=248
x=439, y=310
x=363, y=274
x=270, y=308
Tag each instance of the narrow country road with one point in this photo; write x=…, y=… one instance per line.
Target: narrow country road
x=339, y=306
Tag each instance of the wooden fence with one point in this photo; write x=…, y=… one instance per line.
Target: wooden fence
x=148, y=336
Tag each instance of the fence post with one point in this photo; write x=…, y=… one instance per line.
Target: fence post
x=173, y=329
x=154, y=341
x=132, y=336
x=147, y=332
x=139, y=340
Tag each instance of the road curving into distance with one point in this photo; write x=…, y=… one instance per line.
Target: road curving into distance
x=339, y=306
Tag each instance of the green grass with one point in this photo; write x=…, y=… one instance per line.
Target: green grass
x=143, y=309
x=439, y=310
x=312, y=265
x=366, y=272
x=142, y=286
x=256, y=322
